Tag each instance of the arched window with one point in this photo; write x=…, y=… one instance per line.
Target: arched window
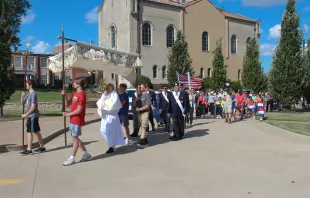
x=248, y=40
x=202, y=73
x=209, y=72
x=239, y=74
x=205, y=41
x=170, y=36
x=164, y=72
x=155, y=71
x=234, y=44
x=146, y=34
x=113, y=36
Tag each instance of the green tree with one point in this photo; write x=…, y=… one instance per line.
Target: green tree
x=306, y=69
x=219, y=68
x=11, y=13
x=235, y=85
x=253, y=76
x=286, y=73
x=144, y=79
x=179, y=59
x=207, y=83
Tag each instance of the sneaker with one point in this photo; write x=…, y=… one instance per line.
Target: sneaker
x=40, y=150
x=126, y=141
x=26, y=152
x=143, y=144
x=110, y=150
x=69, y=162
x=86, y=157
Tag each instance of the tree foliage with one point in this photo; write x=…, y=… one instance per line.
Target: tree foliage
x=11, y=13
x=286, y=75
x=219, y=68
x=306, y=68
x=253, y=76
x=179, y=59
x=144, y=79
x=207, y=83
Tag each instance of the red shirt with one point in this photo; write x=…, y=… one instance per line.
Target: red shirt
x=240, y=98
x=202, y=100
x=78, y=99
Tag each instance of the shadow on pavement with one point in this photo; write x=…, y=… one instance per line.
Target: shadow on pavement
x=119, y=151
x=3, y=148
x=68, y=146
x=203, y=123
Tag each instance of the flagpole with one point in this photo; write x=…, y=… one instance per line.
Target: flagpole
x=189, y=81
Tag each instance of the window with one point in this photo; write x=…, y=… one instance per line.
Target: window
x=17, y=61
x=155, y=71
x=44, y=79
x=112, y=76
x=146, y=34
x=209, y=72
x=184, y=1
x=234, y=44
x=248, y=40
x=57, y=77
x=239, y=74
x=30, y=63
x=205, y=41
x=170, y=36
x=43, y=62
x=164, y=70
x=113, y=36
x=202, y=73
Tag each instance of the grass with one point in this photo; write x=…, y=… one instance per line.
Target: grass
x=11, y=115
x=43, y=96
x=301, y=128
x=297, y=122
x=48, y=96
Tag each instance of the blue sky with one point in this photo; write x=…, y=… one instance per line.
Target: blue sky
x=44, y=21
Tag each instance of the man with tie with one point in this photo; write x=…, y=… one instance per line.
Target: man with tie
x=164, y=106
x=179, y=108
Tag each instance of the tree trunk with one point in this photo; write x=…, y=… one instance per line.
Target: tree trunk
x=1, y=111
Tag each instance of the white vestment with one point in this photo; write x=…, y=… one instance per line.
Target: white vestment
x=108, y=108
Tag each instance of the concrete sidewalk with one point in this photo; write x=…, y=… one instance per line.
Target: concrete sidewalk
x=51, y=127
x=247, y=159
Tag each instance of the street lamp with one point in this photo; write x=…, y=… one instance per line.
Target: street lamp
x=63, y=39
x=23, y=126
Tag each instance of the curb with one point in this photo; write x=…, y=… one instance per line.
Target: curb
x=47, y=139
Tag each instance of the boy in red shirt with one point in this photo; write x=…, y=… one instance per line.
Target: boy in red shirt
x=77, y=120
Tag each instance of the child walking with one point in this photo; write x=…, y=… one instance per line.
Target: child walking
x=260, y=106
x=77, y=120
x=251, y=107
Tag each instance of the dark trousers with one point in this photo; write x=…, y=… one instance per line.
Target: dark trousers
x=202, y=109
x=167, y=120
x=211, y=108
x=178, y=125
x=269, y=102
x=151, y=118
x=190, y=116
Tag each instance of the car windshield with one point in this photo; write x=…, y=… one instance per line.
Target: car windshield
x=130, y=93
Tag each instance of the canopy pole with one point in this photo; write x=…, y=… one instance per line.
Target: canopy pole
x=63, y=80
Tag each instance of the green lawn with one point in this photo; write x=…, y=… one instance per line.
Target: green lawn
x=10, y=115
x=43, y=96
x=302, y=128
x=297, y=122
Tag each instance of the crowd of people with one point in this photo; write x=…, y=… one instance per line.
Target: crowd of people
x=174, y=109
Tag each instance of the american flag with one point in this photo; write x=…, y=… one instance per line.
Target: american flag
x=196, y=83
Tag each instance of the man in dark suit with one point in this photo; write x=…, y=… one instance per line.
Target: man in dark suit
x=179, y=108
x=151, y=117
x=164, y=106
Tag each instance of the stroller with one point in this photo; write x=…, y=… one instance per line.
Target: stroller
x=219, y=110
x=239, y=113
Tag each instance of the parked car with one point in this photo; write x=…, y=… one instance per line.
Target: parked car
x=130, y=93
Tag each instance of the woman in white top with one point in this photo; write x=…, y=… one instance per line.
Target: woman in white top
x=228, y=106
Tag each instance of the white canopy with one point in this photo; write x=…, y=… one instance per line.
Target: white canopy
x=94, y=58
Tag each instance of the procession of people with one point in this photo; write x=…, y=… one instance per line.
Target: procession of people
x=173, y=108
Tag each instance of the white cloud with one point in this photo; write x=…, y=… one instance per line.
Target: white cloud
x=306, y=27
x=30, y=16
x=92, y=16
x=267, y=49
x=274, y=32
x=42, y=48
x=263, y=3
x=28, y=39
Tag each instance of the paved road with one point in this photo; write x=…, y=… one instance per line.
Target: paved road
x=216, y=160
